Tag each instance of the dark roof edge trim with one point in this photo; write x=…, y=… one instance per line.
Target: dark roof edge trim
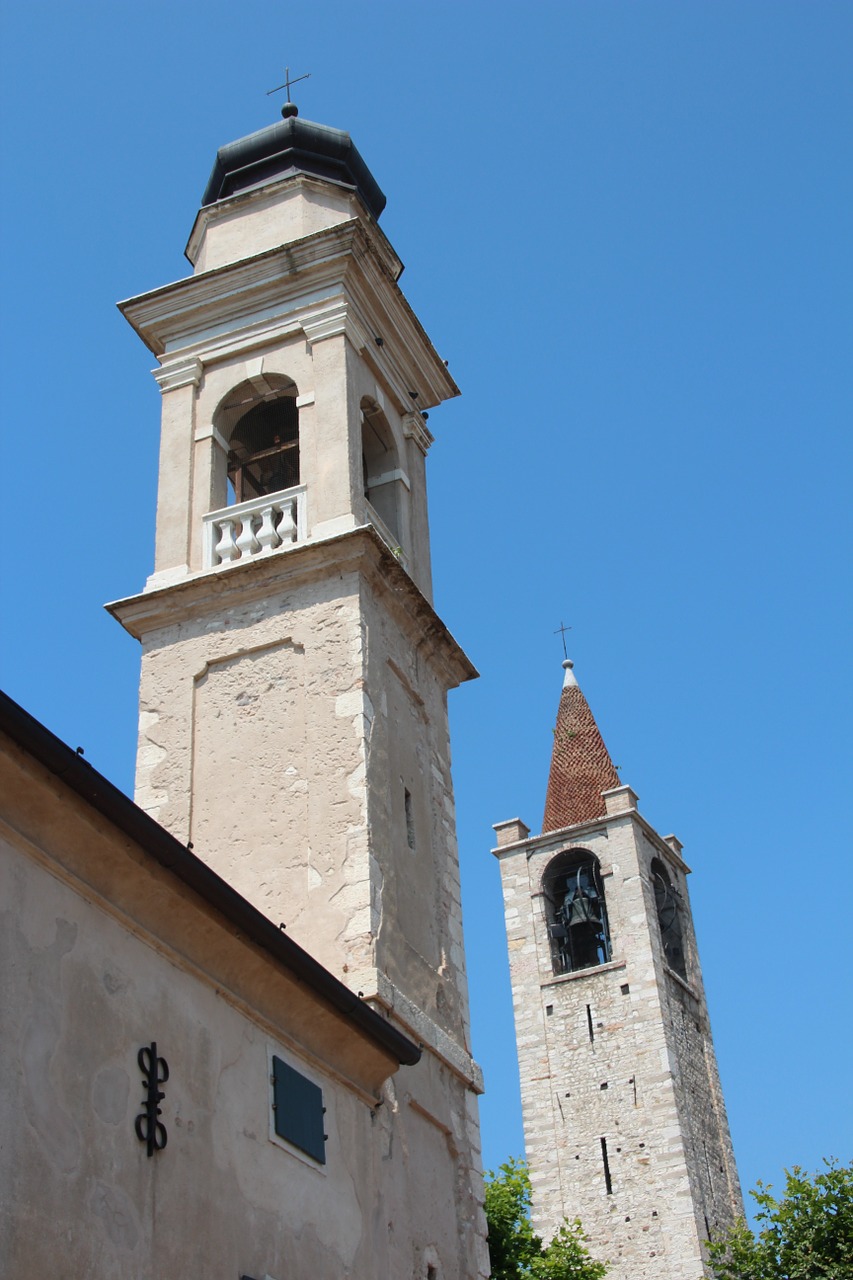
x=76, y=772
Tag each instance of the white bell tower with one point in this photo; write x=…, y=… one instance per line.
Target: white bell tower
x=293, y=720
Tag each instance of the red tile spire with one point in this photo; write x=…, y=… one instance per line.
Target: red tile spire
x=581, y=767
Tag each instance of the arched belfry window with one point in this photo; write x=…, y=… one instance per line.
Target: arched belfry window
x=669, y=918
x=260, y=421
x=380, y=466
x=576, y=912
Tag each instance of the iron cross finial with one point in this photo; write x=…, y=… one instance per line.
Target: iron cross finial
x=288, y=82
x=561, y=630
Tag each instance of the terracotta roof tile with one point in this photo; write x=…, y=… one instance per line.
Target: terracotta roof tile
x=581, y=767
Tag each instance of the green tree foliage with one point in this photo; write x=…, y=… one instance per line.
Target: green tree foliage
x=807, y=1234
x=516, y=1251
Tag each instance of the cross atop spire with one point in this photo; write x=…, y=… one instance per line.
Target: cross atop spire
x=561, y=630
x=289, y=108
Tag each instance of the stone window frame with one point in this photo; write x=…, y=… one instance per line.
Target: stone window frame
x=312, y=1077
x=385, y=483
x=239, y=401
x=669, y=913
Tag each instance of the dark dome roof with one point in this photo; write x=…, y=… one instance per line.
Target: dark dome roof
x=292, y=146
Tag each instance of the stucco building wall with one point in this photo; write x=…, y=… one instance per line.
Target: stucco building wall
x=104, y=952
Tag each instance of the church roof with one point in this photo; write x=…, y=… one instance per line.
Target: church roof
x=292, y=146
x=581, y=768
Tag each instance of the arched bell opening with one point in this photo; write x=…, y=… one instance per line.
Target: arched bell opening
x=381, y=467
x=668, y=905
x=260, y=421
x=576, y=912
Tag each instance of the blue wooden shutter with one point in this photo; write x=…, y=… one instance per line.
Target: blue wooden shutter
x=298, y=1110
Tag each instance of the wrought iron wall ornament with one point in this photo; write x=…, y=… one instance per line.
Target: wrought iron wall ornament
x=155, y=1071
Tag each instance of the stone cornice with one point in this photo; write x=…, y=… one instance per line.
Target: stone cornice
x=228, y=206
x=330, y=322
x=593, y=971
x=667, y=853
x=689, y=987
x=414, y=428
x=185, y=371
x=414, y=1022
x=554, y=840
x=290, y=289
x=358, y=550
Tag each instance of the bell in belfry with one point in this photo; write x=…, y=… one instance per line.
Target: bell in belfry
x=582, y=916
x=581, y=905
x=582, y=909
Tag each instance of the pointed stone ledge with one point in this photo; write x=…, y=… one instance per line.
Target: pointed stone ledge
x=593, y=971
x=204, y=593
x=385, y=998
x=510, y=832
x=347, y=268
x=620, y=800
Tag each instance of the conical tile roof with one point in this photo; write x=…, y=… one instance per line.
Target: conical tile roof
x=581, y=767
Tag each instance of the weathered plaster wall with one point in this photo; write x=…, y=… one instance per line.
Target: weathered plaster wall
x=272, y=215
x=603, y=1056
x=86, y=984
x=252, y=746
x=279, y=733
x=419, y=942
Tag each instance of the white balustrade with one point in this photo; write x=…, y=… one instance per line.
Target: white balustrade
x=259, y=527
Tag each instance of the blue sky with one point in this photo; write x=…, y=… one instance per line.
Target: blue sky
x=626, y=226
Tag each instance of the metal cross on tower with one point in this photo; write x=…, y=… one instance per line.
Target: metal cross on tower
x=288, y=82
x=561, y=630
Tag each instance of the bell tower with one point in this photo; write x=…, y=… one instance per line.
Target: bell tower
x=624, y=1120
x=293, y=698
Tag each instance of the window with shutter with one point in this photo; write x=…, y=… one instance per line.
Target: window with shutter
x=298, y=1110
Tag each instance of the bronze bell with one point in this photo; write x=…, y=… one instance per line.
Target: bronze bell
x=583, y=911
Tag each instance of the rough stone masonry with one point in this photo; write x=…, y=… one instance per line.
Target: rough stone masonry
x=624, y=1120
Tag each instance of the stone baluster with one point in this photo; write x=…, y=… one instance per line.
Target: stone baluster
x=247, y=542
x=258, y=527
x=226, y=547
x=286, y=528
x=266, y=535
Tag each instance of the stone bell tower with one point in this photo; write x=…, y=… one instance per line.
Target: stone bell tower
x=624, y=1120
x=293, y=721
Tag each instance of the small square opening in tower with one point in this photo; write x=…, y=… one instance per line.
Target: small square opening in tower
x=410, y=818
